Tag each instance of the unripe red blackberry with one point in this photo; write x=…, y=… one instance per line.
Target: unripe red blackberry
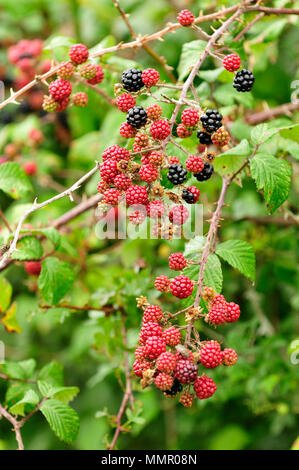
x=102, y=187
x=127, y=131
x=204, y=387
x=156, y=158
x=181, y=286
x=173, y=160
x=150, y=77
x=80, y=99
x=140, y=353
x=11, y=150
x=140, y=366
x=142, y=139
x=154, y=112
x=122, y=182
x=60, y=89
x=191, y=194
x=136, y=195
x=220, y=137
x=99, y=76
x=162, y=283
x=144, y=159
x=33, y=268
x=125, y=101
x=30, y=168
x=172, y=336
x=166, y=362
x=195, y=163
x=88, y=71
x=217, y=314
x=190, y=117
x=177, y=261
x=109, y=170
x=152, y=313
x=229, y=357
x=178, y=215
x=163, y=381
x=154, y=346
x=65, y=70
x=155, y=209
x=185, y=371
x=35, y=136
x=185, y=17
x=210, y=354
x=231, y=62
x=189, y=357
x=183, y=132
x=137, y=217
x=112, y=196
x=115, y=152
x=150, y=329
x=232, y=313
x=78, y=53
x=62, y=105
x=160, y=129
x=148, y=173
x=186, y=399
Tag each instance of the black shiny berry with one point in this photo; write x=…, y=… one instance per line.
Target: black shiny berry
x=131, y=79
x=211, y=120
x=176, y=388
x=244, y=80
x=137, y=117
x=206, y=173
x=188, y=196
x=204, y=138
x=177, y=174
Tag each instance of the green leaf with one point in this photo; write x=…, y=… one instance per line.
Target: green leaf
x=261, y=133
x=63, y=420
x=240, y=255
x=19, y=370
x=58, y=41
x=194, y=246
x=63, y=394
x=240, y=150
x=52, y=374
x=55, y=280
x=30, y=398
x=211, y=75
x=10, y=321
x=28, y=248
x=13, y=180
x=213, y=273
x=49, y=232
x=290, y=132
x=190, y=55
x=5, y=294
x=273, y=176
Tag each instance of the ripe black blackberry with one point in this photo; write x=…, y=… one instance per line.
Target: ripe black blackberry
x=137, y=117
x=204, y=138
x=244, y=80
x=176, y=388
x=131, y=79
x=211, y=120
x=188, y=196
x=177, y=174
x=206, y=173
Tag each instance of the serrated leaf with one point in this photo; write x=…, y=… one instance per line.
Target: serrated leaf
x=63, y=394
x=273, y=176
x=30, y=398
x=49, y=232
x=15, y=393
x=261, y=133
x=55, y=280
x=28, y=248
x=19, y=370
x=240, y=150
x=231, y=161
x=5, y=294
x=240, y=255
x=13, y=180
x=10, y=321
x=52, y=374
x=194, y=246
x=290, y=132
x=63, y=420
x=190, y=55
x=213, y=273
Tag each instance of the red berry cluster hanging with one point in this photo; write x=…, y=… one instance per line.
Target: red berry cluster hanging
x=163, y=358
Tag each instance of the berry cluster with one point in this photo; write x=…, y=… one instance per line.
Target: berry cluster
x=60, y=89
x=162, y=359
x=244, y=79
